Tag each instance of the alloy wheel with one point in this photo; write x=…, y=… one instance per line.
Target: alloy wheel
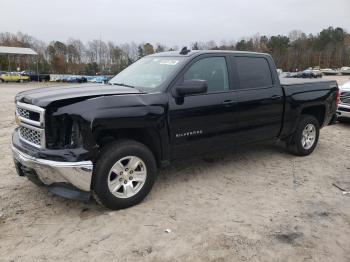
x=308, y=136
x=127, y=176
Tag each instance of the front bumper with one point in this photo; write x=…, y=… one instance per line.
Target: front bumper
x=343, y=111
x=51, y=173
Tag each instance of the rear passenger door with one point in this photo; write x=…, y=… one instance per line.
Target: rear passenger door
x=259, y=96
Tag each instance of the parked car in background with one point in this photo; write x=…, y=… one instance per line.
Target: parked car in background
x=14, y=77
x=89, y=78
x=54, y=77
x=329, y=71
x=309, y=73
x=65, y=78
x=293, y=74
x=75, y=79
x=59, y=78
x=345, y=70
x=37, y=77
x=41, y=77
x=317, y=72
x=285, y=75
x=69, y=78
x=100, y=79
x=344, y=103
x=306, y=74
x=81, y=79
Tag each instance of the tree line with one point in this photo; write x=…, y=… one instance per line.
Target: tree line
x=295, y=51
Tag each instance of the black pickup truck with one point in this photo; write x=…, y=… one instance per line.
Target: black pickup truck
x=109, y=140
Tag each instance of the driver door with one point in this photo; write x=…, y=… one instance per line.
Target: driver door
x=203, y=122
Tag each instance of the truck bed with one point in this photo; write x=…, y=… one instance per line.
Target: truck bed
x=307, y=93
x=301, y=81
x=293, y=86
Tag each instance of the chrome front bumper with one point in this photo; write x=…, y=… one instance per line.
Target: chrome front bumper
x=341, y=111
x=49, y=172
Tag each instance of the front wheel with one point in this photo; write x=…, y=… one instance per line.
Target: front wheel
x=125, y=173
x=305, y=139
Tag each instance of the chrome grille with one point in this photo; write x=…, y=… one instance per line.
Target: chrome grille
x=23, y=112
x=30, y=114
x=345, y=98
x=30, y=135
x=31, y=124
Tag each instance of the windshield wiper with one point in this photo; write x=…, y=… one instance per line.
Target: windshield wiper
x=122, y=84
x=126, y=85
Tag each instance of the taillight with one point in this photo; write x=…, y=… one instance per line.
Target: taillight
x=338, y=98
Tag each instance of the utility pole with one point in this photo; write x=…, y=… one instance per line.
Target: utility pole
x=9, y=67
x=100, y=55
x=37, y=68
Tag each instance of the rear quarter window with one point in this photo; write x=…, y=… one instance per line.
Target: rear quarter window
x=253, y=72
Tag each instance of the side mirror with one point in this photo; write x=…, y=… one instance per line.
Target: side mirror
x=191, y=87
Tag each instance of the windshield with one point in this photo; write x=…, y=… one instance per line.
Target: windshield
x=148, y=73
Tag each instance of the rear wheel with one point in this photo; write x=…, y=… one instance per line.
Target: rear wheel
x=305, y=139
x=125, y=173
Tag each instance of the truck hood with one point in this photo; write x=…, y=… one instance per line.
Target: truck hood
x=44, y=96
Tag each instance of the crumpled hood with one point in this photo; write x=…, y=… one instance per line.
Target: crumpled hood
x=44, y=96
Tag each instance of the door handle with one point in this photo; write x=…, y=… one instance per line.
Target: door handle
x=228, y=103
x=275, y=97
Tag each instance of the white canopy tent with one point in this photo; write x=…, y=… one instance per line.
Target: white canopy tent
x=9, y=50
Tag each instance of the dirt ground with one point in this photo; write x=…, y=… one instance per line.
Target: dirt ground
x=256, y=203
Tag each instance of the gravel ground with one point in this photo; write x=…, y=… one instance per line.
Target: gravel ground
x=257, y=203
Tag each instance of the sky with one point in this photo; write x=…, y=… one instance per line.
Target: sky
x=169, y=22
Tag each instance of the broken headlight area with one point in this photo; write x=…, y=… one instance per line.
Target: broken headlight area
x=64, y=132
x=76, y=138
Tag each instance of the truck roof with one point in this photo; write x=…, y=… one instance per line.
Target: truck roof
x=199, y=52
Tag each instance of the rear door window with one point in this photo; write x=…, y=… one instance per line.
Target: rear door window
x=253, y=72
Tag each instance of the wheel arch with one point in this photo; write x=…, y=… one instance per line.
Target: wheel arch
x=317, y=111
x=147, y=136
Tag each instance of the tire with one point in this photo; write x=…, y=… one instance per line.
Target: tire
x=298, y=144
x=343, y=120
x=127, y=179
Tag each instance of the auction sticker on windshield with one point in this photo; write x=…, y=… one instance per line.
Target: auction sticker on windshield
x=168, y=62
